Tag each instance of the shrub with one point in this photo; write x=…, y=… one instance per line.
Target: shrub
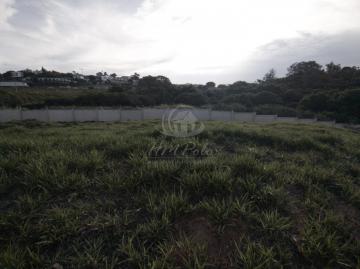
x=266, y=98
x=279, y=110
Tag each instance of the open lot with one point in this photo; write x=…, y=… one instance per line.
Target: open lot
x=97, y=195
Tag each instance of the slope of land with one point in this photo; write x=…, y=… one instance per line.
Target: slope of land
x=93, y=195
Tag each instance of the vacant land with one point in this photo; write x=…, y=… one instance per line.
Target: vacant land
x=260, y=196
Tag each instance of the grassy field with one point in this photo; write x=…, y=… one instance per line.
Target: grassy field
x=260, y=196
x=52, y=97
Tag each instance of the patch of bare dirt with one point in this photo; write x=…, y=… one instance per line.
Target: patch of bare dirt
x=351, y=215
x=219, y=242
x=297, y=210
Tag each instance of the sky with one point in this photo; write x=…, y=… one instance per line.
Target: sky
x=189, y=41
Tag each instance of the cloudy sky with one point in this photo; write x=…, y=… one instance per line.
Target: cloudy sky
x=186, y=40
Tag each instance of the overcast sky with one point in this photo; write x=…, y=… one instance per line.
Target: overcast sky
x=187, y=40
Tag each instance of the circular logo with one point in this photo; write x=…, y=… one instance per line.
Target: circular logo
x=181, y=122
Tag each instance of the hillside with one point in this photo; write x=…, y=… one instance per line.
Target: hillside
x=329, y=92
x=98, y=195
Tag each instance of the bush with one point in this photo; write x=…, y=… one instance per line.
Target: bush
x=349, y=102
x=245, y=99
x=266, y=98
x=326, y=116
x=191, y=98
x=306, y=114
x=315, y=102
x=279, y=110
x=292, y=96
x=230, y=107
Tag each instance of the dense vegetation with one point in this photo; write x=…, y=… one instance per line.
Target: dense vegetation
x=308, y=90
x=90, y=196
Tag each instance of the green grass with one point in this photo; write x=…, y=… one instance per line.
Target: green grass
x=10, y=97
x=90, y=196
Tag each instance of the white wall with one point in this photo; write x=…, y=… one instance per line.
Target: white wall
x=287, y=119
x=153, y=114
x=265, y=118
x=222, y=115
x=202, y=114
x=10, y=115
x=113, y=115
x=244, y=117
x=109, y=115
x=61, y=115
x=129, y=115
x=306, y=121
x=83, y=115
x=40, y=115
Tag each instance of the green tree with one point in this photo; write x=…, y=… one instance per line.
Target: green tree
x=333, y=69
x=316, y=102
x=245, y=99
x=266, y=98
x=191, y=98
x=270, y=76
x=306, y=75
x=159, y=88
x=210, y=84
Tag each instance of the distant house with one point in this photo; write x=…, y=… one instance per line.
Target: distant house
x=120, y=80
x=103, y=77
x=162, y=79
x=17, y=74
x=78, y=76
x=124, y=78
x=57, y=80
x=13, y=84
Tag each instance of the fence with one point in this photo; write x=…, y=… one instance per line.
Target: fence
x=120, y=115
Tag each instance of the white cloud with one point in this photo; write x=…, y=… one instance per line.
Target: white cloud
x=325, y=48
x=6, y=11
x=188, y=40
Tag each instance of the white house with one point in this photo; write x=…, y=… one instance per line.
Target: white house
x=55, y=79
x=13, y=84
x=17, y=74
x=77, y=76
x=120, y=80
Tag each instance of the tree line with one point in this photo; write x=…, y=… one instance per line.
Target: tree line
x=308, y=90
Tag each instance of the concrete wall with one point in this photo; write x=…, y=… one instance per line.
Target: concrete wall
x=287, y=119
x=132, y=115
x=114, y=115
x=265, y=118
x=202, y=114
x=84, y=115
x=10, y=115
x=153, y=114
x=40, y=115
x=244, y=117
x=306, y=121
x=222, y=115
x=109, y=115
x=61, y=115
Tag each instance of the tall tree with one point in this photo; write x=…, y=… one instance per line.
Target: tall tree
x=333, y=69
x=270, y=76
x=306, y=75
